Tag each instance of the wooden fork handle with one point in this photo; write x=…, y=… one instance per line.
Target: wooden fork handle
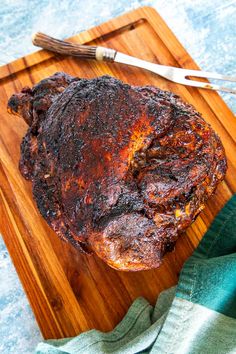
x=78, y=50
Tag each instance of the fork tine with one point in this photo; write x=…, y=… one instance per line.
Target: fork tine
x=207, y=74
x=207, y=85
x=178, y=75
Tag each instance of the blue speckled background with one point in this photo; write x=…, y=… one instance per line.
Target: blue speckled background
x=205, y=27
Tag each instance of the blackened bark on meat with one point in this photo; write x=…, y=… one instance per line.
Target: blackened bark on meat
x=32, y=105
x=117, y=170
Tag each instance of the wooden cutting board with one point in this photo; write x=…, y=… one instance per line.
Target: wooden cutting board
x=70, y=292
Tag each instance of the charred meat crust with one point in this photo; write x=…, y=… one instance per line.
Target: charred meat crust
x=117, y=170
x=32, y=105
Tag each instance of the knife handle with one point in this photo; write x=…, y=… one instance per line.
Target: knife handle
x=78, y=50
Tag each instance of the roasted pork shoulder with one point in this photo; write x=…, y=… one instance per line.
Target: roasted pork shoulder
x=117, y=170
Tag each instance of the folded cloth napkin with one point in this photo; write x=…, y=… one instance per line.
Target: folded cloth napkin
x=196, y=317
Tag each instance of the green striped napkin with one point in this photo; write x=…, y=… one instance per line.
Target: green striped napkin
x=196, y=317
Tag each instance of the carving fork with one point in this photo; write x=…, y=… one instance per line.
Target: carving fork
x=178, y=75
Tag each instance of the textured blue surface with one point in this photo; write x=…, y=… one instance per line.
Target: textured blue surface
x=207, y=30
x=18, y=329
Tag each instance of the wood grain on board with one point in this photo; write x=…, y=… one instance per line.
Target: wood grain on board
x=70, y=292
